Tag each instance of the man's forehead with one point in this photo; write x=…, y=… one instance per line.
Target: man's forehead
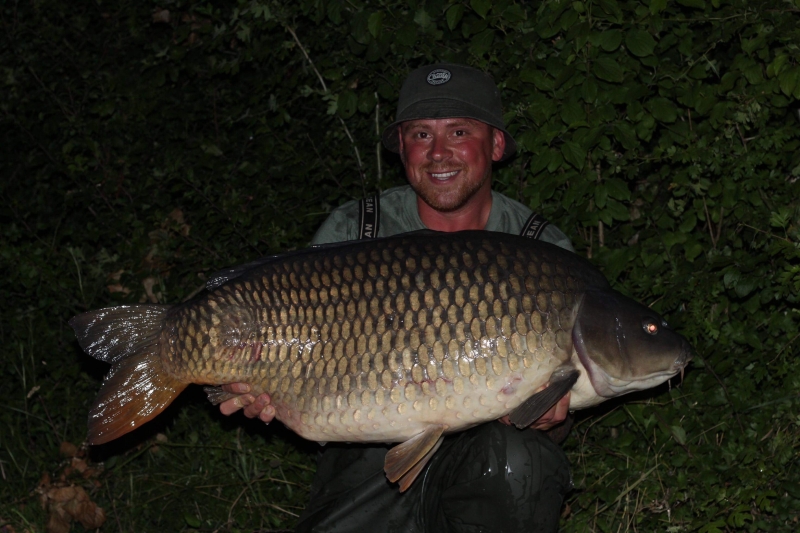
x=451, y=121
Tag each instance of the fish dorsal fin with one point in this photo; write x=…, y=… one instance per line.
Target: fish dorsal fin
x=405, y=461
x=223, y=276
x=561, y=381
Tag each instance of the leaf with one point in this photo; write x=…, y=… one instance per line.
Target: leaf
x=698, y=4
x=788, y=80
x=640, y=43
x=600, y=196
x=347, y=103
x=662, y=109
x=211, y=149
x=191, y=520
x=618, y=189
x=617, y=210
x=572, y=112
x=482, y=42
x=657, y=6
x=589, y=90
x=610, y=40
x=481, y=7
x=454, y=15
x=625, y=135
x=608, y=69
x=574, y=154
x=422, y=18
x=375, y=23
x=679, y=434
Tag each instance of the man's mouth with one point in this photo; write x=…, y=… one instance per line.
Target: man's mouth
x=442, y=176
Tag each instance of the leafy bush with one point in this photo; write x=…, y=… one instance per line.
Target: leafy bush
x=146, y=145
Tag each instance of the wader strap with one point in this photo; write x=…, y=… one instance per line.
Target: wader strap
x=369, y=217
x=534, y=226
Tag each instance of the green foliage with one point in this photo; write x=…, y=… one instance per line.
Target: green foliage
x=146, y=145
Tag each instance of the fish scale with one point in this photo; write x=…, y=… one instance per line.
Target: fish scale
x=322, y=335
x=401, y=339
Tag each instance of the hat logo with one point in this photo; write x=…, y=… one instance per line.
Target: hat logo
x=438, y=76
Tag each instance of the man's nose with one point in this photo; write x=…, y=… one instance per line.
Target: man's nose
x=440, y=150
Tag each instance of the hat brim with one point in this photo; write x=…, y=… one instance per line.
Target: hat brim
x=444, y=108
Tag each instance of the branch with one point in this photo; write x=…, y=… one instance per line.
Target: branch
x=325, y=90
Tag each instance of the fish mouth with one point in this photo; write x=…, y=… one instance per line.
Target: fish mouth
x=683, y=360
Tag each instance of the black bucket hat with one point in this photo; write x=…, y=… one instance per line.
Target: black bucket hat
x=449, y=91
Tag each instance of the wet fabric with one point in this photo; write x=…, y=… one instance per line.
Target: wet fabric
x=489, y=478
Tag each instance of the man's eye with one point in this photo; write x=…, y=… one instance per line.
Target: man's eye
x=460, y=133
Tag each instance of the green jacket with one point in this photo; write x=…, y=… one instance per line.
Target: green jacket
x=398, y=211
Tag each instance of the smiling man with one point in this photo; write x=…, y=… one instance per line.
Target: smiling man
x=449, y=131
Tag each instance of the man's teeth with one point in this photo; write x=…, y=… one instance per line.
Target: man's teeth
x=444, y=175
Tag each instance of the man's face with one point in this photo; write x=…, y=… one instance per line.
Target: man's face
x=448, y=160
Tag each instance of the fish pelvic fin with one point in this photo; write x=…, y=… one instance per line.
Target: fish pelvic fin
x=405, y=461
x=561, y=381
x=216, y=395
x=137, y=387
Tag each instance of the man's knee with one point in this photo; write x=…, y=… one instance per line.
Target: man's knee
x=526, y=456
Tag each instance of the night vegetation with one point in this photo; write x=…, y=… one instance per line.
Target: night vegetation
x=145, y=145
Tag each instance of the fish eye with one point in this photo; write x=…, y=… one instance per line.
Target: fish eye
x=650, y=326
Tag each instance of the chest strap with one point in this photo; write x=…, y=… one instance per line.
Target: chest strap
x=534, y=226
x=369, y=217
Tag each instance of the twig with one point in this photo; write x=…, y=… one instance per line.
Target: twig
x=325, y=90
x=765, y=232
x=627, y=490
x=358, y=156
x=230, y=511
x=321, y=81
x=708, y=223
x=784, y=348
x=744, y=141
x=725, y=391
x=378, y=133
x=601, y=241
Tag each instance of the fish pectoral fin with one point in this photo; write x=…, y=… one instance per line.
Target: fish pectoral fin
x=534, y=407
x=405, y=461
x=216, y=395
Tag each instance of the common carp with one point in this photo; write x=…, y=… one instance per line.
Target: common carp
x=400, y=339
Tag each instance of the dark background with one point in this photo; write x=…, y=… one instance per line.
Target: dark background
x=144, y=145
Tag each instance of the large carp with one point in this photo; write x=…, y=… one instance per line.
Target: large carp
x=401, y=339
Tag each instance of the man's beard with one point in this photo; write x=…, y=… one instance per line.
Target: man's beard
x=451, y=197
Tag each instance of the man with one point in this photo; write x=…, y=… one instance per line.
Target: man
x=449, y=130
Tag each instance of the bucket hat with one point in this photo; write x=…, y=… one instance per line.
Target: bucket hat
x=445, y=90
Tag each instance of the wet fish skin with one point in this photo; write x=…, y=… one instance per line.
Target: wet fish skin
x=371, y=342
x=397, y=339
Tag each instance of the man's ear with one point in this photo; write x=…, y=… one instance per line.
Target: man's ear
x=498, y=144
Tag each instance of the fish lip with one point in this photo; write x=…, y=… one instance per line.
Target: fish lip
x=683, y=359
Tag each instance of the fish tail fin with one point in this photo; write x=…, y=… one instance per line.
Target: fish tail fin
x=137, y=387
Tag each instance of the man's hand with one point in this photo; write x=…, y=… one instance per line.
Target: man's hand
x=253, y=407
x=552, y=418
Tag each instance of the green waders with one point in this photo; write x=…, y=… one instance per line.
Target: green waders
x=491, y=478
